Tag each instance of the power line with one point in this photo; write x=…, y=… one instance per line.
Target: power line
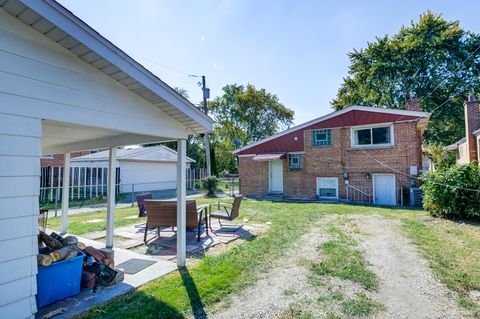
x=163, y=65
x=453, y=73
x=431, y=112
x=405, y=174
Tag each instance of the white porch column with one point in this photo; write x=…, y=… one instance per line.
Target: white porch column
x=65, y=193
x=112, y=169
x=181, y=203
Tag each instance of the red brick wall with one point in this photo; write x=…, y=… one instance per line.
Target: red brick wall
x=332, y=161
x=253, y=176
x=472, y=123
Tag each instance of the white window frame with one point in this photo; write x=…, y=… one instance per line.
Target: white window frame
x=353, y=136
x=327, y=178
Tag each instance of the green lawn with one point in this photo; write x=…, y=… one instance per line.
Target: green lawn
x=344, y=260
x=74, y=203
x=79, y=224
x=447, y=245
x=453, y=250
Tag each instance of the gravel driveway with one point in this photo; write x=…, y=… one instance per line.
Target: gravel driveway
x=408, y=288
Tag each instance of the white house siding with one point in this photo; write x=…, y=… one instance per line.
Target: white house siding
x=147, y=176
x=42, y=79
x=20, y=148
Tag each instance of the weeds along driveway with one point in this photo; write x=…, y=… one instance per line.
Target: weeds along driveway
x=407, y=286
x=332, y=277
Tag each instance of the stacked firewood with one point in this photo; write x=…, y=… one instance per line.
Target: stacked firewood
x=61, y=248
x=98, y=265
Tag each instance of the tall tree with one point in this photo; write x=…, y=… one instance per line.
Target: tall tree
x=246, y=114
x=433, y=58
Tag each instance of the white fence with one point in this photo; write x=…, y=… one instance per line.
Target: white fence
x=91, y=182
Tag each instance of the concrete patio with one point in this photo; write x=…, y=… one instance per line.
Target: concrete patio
x=164, y=247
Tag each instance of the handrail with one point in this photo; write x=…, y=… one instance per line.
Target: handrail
x=358, y=190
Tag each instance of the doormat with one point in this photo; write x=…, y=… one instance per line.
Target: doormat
x=134, y=265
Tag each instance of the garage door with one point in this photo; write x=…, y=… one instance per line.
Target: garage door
x=384, y=189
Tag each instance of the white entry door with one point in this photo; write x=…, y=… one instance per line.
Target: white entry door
x=384, y=189
x=276, y=176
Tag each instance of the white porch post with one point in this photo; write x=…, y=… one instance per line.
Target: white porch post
x=112, y=169
x=65, y=193
x=181, y=203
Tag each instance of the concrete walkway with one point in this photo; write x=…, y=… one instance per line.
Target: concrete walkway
x=87, y=298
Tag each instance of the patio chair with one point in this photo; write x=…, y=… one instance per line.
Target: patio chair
x=142, y=212
x=227, y=211
x=164, y=214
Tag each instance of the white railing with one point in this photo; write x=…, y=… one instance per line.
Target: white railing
x=364, y=195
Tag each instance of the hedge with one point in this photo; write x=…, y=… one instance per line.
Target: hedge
x=453, y=192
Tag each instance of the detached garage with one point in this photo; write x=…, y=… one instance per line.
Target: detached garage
x=142, y=169
x=65, y=88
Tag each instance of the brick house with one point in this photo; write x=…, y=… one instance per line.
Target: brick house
x=467, y=149
x=360, y=153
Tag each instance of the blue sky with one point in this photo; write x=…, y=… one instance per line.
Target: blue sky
x=294, y=49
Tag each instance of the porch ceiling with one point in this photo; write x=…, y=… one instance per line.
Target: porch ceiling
x=59, y=137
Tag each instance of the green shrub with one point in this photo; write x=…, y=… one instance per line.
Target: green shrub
x=209, y=184
x=453, y=192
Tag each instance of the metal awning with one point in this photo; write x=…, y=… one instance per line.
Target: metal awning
x=269, y=157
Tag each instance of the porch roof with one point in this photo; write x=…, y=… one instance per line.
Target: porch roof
x=269, y=157
x=60, y=25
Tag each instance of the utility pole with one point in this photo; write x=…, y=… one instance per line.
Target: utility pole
x=206, y=95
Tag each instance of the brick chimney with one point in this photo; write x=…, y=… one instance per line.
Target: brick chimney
x=413, y=104
x=472, y=123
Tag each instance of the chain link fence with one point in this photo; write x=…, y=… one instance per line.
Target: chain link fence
x=88, y=195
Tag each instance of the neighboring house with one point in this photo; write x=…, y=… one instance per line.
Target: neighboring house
x=55, y=160
x=467, y=149
x=359, y=153
x=50, y=173
x=65, y=88
x=144, y=168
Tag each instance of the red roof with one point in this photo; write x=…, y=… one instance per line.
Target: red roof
x=294, y=141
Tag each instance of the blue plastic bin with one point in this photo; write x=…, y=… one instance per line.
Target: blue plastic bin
x=60, y=280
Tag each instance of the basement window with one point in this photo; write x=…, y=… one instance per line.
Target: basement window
x=327, y=187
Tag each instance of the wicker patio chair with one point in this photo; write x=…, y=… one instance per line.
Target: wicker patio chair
x=164, y=214
x=142, y=212
x=227, y=211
